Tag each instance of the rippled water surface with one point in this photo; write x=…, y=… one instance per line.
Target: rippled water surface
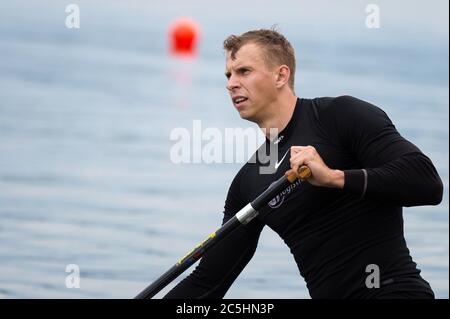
x=86, y=117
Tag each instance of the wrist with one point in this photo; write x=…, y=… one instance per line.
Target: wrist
x=337, y=179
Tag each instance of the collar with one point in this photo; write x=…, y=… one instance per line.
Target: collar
x=286, y=133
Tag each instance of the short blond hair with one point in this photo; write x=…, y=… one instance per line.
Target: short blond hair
x=277, y=49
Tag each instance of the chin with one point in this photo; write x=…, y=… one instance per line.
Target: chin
x=246, y=116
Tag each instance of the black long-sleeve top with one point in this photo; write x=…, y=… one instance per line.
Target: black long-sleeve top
x=333, y=234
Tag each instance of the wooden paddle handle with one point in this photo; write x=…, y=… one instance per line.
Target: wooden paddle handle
x=304, y=173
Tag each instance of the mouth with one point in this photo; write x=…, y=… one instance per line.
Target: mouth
x=239, y=100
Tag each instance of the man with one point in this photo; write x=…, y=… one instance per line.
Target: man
x=347, y=218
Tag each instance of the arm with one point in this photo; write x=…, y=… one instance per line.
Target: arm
x=392, y=168
x=221, y=265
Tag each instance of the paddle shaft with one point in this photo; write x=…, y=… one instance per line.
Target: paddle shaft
x=244, y=216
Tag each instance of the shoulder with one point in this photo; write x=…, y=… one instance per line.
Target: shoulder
x=345, y=109
x=342, y=104
x=236, y=197
x=240, y=174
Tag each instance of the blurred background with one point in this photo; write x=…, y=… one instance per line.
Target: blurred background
x=86, y=115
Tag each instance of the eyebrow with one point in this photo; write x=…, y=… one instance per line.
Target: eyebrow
x=240, y=67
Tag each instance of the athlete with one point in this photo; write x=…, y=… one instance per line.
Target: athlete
x=344, y=225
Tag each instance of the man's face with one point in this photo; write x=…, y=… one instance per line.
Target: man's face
x=251, y=83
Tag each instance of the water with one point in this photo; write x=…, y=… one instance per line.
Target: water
x=86, y=115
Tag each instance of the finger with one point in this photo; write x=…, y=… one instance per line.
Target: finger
x=291, y=171
x=303, y=173
x=296, y=162
x=300, y=157
x=297, y=149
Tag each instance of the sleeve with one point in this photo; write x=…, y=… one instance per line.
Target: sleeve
x=392, y=168
x=223, y=263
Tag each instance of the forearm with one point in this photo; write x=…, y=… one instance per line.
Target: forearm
x=336, y=179
x=410, y=180
x=220, y=266
x=391, y=168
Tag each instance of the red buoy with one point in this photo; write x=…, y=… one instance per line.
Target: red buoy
x=184, y=34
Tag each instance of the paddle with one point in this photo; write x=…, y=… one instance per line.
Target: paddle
x=244, y=216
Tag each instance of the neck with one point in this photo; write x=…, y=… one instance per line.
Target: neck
x=278, y=116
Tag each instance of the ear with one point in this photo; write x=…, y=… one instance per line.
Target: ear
x=283, y=74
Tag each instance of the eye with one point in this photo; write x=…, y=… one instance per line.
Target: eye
x=227, y=75
x=244, y=71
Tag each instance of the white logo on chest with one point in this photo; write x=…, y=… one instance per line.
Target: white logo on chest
x=278, y=163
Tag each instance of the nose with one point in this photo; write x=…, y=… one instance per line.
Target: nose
x=232, y=83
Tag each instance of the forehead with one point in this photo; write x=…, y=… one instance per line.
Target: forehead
x=249, y=54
